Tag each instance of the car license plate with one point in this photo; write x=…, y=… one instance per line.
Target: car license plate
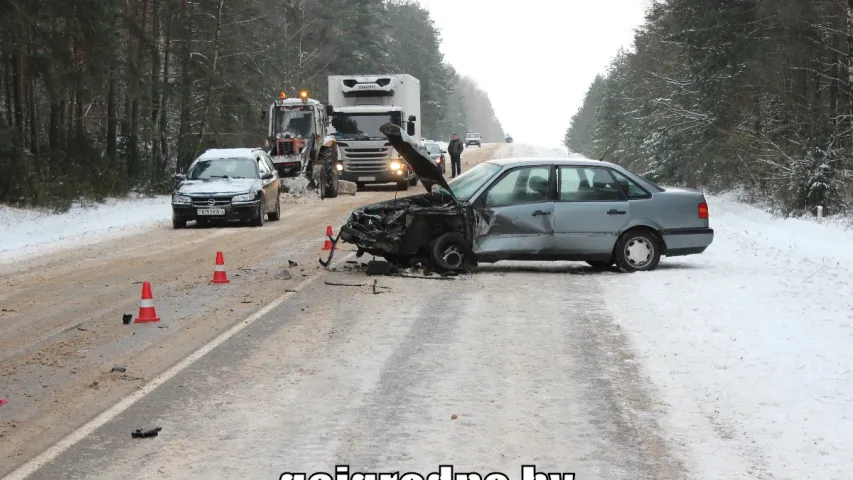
x=211, y=211
x=366, y=179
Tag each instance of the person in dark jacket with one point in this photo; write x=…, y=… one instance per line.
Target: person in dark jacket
x=454, y=148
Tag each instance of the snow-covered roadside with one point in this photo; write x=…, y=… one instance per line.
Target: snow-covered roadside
x=750, y=345
x=24, y=233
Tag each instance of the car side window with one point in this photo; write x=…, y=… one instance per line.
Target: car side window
x=262, y=166
x=523, y=185
x=268, y=161
x=587, y=184
x=630, y=187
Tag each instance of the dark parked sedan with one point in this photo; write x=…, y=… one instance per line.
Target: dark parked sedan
x=224, y=185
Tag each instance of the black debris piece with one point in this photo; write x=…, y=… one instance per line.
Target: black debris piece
x=119, y=369
x=292, y=263
x=127, y=318
x=140, y=433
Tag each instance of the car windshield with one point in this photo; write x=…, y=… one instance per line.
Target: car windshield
x=295, y=121
x=466, y=185
x=473, y=135
x=223, y=168
x=363, y=126
x=433, y=148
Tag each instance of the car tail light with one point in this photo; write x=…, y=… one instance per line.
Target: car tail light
x=703, y=210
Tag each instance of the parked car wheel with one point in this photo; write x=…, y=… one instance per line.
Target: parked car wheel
x=637, y=251
x=403, y=185
x=450, y=252
x=178, y=224
x=413, y=181
x=259, y=216
x=274, y=216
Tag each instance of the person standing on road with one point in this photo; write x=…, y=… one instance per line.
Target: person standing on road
x=454, y=148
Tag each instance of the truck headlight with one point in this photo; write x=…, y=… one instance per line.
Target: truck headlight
x=340, y=166
x=246, y=197
x=395, y=165
x=181, y=199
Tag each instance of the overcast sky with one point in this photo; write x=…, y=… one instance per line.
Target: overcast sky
x=535, y=58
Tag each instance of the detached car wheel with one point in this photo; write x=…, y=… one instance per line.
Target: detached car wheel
x=451, y=252
x=637, y=251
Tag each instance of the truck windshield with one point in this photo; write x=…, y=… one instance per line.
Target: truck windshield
x=295, y=121
x=363, y=126
x=223, y=168
x=466, y=185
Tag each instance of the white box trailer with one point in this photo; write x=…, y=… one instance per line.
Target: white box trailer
x=360, y=105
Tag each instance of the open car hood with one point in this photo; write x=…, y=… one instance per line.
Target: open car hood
x=427, y=172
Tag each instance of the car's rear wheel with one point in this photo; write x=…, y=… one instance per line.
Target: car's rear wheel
x=451, y=252
x=637, y=251
x=274, y=216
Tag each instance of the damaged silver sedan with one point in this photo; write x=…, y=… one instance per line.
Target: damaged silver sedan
x=559, y=209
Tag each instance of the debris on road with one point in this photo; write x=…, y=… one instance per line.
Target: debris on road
x=119, y=369
x=376, y=286
x=453, y=417
x=341, y=284
x=348, y=188
x=292, y=263
x=284, y=275
x=140, y=433
x=127, y=318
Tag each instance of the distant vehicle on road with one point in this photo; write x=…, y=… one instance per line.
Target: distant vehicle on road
x=222, y=185
x=531, y=209
x=508, y=139
x=472, y=138
x=437, y=154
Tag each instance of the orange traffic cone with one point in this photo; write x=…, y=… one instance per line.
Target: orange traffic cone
x=147, y=312
x=219, y=270
x=327, y=245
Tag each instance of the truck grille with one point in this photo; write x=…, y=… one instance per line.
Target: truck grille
x=205, y=201
x=364, y=160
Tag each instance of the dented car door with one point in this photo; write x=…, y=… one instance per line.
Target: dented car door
x=517, y=214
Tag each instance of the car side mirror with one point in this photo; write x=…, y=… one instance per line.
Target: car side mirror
x=410, y=128
x=267, y=176
x=180, y=177
x=263, y=114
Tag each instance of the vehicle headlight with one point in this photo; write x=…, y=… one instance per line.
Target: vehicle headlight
x=339, y=166
x=246, y=197
x=181, y=199
x=395, y=165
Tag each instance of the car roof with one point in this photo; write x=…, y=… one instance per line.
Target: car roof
x=570, y=161
x=218, y=153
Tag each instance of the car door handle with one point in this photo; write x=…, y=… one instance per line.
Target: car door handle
x=616, y=212
x=540, y=212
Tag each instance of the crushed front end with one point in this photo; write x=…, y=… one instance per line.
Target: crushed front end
x=402, y=231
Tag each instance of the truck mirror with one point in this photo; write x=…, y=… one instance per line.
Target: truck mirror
x=410, y=128
x=330, y=110
x=412, y=118
x=263, y=114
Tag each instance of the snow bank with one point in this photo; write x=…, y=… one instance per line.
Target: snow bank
x=750, y=345
x=28, y=232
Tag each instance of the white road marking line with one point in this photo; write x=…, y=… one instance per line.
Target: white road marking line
x=81, y=433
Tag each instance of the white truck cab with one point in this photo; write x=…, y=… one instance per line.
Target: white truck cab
x=358, y=106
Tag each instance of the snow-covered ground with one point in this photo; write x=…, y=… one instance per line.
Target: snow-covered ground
x=750, y=344
x=24, y=233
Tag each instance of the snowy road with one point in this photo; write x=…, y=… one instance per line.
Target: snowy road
x=734, y=364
